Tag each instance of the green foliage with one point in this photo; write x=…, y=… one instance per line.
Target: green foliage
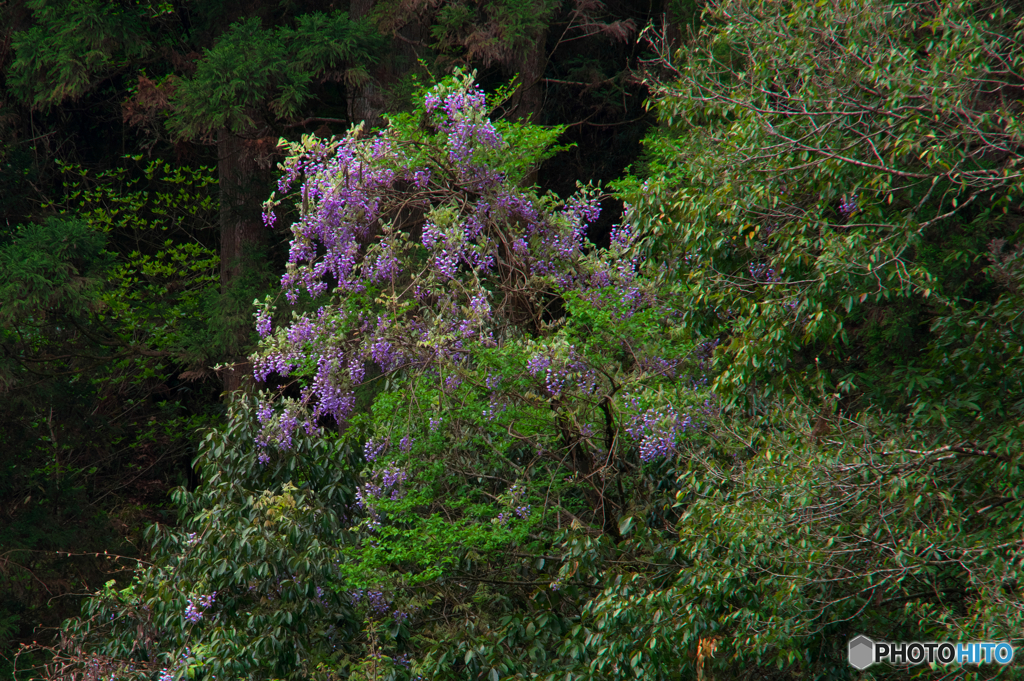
x=162, y=288
x=487, y=32
x=830, y=216
x=492, y=460
x=978, y=348
x=254, y=70
x=788, y=548
x=133, y=201
x=99, y=317
x=433, y=552
x=71, y=42
x=251, y=74
x=826, y=192
x=108, y=337
x=57, y=265
x=263, y=539
x=854, y=184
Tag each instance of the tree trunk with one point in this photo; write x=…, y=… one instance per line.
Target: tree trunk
x=243, y=239
x=365, y=101
x=679, y=18
x=530, y=63
x=368, y=102
x=528, y=100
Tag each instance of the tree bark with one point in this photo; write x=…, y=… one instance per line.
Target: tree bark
x=528, y=100
x=365, y=102
x=368, y=102
x=243, y=239
x=679, y=16
x=530, y=63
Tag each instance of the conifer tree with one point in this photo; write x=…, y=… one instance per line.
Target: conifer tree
x=220, y=78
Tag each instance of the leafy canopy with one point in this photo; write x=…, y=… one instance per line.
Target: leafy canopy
x=476, y=382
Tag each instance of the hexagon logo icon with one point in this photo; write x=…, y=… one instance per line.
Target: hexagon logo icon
x=862, y=652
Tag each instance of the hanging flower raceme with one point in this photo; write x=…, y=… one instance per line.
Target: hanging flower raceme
x=481, y=334
x=386, y=222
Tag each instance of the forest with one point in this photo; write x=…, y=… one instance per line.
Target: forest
x=394, y=340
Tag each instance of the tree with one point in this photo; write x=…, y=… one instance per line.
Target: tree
x=492, y=445
x=92, y=82
x=249, y=80
x=854, y=190
x=104, y=340
x=523, y=383
x=520, y=393
x=833, y=191
x=244, y=585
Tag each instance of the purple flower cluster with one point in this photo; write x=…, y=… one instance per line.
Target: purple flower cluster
x=492, y=382
x=386, y=267
x=384, y=483
x=582, y=209
x=376, y=601
x=657, y=431
x=613, y=280
x=420, y=178
x=460, y=113
x=484, y=241
x=278, y=428
x=658, y=366
x=621, y=236
x=479, y=305
x=848, y=205
x=495, y=406
x=194, y=609
x=513, y=498
x=390, y=478
x=378, y=604
x=452, y=383
x=762, y=272
x=335, y=399
x=374, y=448
x=564, y=372
x=554, y=380
x=386, y=354
x=356, y=370
x=263, y=321
x=538, y=363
